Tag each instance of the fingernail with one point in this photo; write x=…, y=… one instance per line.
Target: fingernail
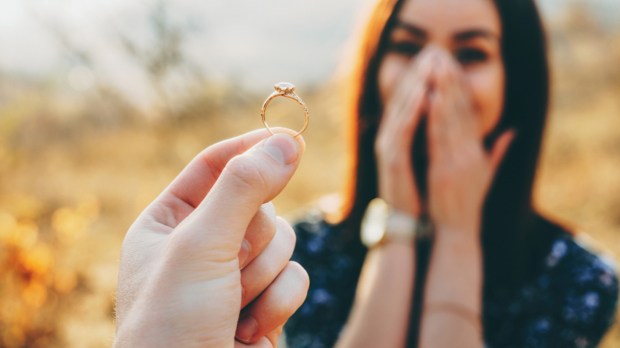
x=246, y=329
x=244, y=252
x=283, y=148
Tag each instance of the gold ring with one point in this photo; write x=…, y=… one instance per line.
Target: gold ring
x=287, y=90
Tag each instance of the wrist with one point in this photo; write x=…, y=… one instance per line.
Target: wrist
x=383, y=224
x=400, y=195
x=466, y=239
x=464, y=231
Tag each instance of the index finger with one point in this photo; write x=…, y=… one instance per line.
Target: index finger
x=407, y=92
x=191, y=186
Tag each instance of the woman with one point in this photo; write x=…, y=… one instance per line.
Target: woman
x=450, y=105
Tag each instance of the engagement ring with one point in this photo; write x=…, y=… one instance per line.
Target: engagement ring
x=287, y=90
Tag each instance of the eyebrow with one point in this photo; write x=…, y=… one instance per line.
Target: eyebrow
x=460, y=36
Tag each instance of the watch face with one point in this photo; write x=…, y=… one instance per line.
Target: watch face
x=373, y=224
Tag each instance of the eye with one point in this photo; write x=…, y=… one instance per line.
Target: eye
x=405, y=48
x=470, y=55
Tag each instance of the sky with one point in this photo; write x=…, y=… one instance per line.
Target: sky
x=254, y=43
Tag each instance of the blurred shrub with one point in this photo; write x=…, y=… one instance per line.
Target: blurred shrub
x=35, y=284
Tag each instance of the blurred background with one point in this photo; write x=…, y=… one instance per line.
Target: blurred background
x=102, y=103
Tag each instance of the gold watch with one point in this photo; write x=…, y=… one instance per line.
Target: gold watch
x=382, y=224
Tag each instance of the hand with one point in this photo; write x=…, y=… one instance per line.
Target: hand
x=210, y=246
x=393, y=146
x=460, y=171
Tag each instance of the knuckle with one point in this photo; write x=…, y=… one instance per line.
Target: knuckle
x=298, y=283
x=301, y=274
x=391, y=163
x=381, y=145
x=263, y=223
x=246, y=171
x=288, y=234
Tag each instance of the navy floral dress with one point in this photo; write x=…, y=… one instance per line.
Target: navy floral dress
x=570, y=304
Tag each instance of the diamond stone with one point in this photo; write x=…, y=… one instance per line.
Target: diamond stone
x=284, y=87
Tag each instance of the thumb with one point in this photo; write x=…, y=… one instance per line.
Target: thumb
x=247, y=181
x=500, y=148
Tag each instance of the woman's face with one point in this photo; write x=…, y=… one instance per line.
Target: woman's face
x=469, y=30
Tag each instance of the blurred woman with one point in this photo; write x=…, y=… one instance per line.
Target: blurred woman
x=450, y=102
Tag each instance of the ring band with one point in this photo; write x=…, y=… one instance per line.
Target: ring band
x=287, y=90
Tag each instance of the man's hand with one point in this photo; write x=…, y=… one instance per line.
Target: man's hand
x=207, y=263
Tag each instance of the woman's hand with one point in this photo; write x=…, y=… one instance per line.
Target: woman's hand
x=460, y=175
x=208, y=260
x=460, y=172
x=393, y=146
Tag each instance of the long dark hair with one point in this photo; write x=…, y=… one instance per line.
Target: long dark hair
x=514, y=236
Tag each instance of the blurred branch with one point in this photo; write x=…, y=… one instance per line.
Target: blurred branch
x=158, y=54
x=78, y=56
x=165, y=54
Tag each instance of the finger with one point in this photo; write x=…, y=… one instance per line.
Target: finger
x=436, y=129
x=260, y=232
x=439, y=99
x=403, y=113
x=275, y=305
x=500, y=148
x=444, y=82
x=190, y=187
x=412, y=84
x=397, y=130
x=450, y=72
x=257, y=276
x=274, y=336
x=217, y=226
x=270, y=340
x=454, y=119
x=454, y=84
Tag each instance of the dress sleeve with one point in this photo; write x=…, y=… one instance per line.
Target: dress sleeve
x=333, y=266
x=583, y=301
